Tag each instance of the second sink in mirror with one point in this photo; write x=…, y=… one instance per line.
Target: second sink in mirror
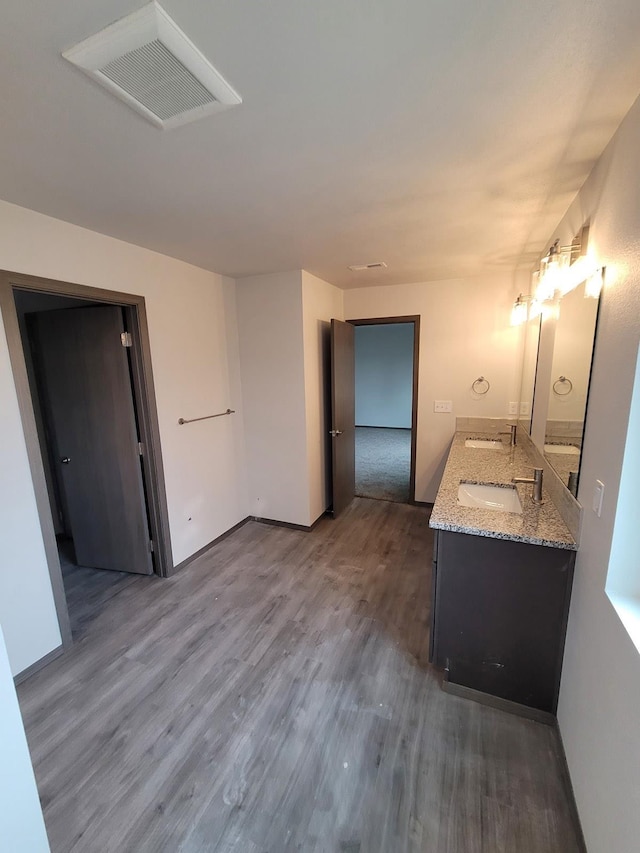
x=566, y=449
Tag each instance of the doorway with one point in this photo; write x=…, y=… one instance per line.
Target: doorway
x=386, y=359
x=81, y=363
x=343, y=414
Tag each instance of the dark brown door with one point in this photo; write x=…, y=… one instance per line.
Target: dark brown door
x=343, y=415
x=84, y=373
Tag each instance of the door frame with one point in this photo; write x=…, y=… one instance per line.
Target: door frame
x=388, y=321
x=145, y=401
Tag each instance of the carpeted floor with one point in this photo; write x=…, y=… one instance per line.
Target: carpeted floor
x=383, y=463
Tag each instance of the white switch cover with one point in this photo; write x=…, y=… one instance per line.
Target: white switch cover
x=513, y=408
x=442, y=405
x=598, y=495
x=524, y=409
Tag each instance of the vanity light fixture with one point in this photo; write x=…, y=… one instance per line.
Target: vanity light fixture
x=564, y=268
x=580, y=270
x=519, y=311
x=593, y=284
x=552, y=268
x=535, y=308
x=535, y=286
x=524, y=308
x=549, y=267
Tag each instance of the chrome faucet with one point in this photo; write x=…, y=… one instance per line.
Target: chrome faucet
x=512, y=432
x=536, y=482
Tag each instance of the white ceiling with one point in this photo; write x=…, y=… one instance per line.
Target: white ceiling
x=445, y=137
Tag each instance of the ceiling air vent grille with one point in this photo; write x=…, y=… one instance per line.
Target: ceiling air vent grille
x=148, y=62
x=376, y=265
x=153, y=76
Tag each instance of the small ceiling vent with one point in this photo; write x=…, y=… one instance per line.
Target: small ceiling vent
x=150, y=64
x=377, y=265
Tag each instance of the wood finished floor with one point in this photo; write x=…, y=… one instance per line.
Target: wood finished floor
x=88, y=591
x=276, y=696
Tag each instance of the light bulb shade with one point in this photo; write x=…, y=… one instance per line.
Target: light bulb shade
x=546, y=283
x=535, y=309
x=579, y=271
x=555, y=279
x=553, y=272
x=593, y=285
x=535, y=281
x=519, y=312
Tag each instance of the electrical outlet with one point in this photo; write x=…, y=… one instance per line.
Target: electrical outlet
x=525, y=408
x=513, y=408
x=443, y=405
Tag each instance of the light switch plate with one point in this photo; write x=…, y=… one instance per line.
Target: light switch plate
x=598, y=495
x=443, y=405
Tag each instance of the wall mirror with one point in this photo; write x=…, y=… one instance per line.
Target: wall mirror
x=528, y=380
x=569, y=384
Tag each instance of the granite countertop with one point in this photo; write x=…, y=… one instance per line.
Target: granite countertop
x=538, y=524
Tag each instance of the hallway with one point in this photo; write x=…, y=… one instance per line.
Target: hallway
x=275, y=696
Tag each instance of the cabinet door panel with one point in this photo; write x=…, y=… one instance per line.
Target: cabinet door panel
x=433, y=633
x=501, y=616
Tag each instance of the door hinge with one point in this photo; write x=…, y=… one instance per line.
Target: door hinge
x=125, y=339
x=140, y=449
x=151, y=548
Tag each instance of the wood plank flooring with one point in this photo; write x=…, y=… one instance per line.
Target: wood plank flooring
x=88, y=591
x=275, y=696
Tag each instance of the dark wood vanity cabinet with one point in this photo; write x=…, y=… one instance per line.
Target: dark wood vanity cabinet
x=500, y=615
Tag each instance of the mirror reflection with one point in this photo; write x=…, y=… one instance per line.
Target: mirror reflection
x=528, y=381
x=571, y=370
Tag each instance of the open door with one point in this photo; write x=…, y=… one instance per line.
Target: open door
x=84, y=376
x=343, y=415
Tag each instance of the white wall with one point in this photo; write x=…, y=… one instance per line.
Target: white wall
x=384, y=375
x=21, y=824
x=321, y=302
x=284, y=325
x=272, y=370
x=464, y=333
x=599, y=708
x=27, y=612
x=195, y=365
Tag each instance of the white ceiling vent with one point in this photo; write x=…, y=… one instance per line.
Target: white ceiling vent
x=377, y=265
x=148, y=62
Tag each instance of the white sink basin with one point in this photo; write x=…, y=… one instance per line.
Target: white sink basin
x=565, y=449
x=497, y=498
x=484, y=443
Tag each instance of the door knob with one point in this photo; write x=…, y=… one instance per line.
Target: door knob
x=65, y=460
x=335, y=432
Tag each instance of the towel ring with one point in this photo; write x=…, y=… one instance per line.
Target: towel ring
x=562, y=380
x=481, y=381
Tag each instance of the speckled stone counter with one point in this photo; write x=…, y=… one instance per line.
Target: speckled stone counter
x=538, y=525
